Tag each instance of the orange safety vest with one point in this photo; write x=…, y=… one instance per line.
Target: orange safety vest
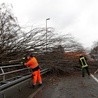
x=32, y=63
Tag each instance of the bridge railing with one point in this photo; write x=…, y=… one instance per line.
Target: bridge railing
x=10, y=82
x=12, y=71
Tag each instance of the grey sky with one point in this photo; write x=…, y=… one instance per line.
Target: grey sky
x=78, y=17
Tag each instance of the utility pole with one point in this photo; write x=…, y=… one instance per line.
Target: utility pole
x=46, y=32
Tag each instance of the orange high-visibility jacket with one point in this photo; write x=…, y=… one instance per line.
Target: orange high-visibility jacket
x=32, y=63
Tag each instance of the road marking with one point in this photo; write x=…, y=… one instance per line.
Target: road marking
x=94, y=78
x=96, y=71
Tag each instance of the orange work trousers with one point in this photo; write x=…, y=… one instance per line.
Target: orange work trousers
x=36, y=77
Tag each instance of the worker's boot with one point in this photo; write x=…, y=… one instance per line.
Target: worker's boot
x=40, y=84
x=33, y=86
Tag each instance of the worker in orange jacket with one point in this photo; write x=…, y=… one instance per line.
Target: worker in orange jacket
x=33, y=64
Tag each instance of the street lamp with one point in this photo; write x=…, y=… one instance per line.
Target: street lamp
x=46, y=32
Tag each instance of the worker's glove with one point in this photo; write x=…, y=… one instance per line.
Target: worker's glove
x=21, y=63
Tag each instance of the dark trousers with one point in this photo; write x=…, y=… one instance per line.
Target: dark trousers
x=83, y=71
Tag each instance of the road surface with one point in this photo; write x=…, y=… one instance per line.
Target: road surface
x=73, y=86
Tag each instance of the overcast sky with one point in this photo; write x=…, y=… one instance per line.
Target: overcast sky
x=77, y=17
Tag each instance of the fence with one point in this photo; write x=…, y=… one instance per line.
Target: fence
x=12, y=72
x=24, y=74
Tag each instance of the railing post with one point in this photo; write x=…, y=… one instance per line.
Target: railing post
x=3, y=74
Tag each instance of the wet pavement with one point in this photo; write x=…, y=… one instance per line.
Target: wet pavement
x=73, y=86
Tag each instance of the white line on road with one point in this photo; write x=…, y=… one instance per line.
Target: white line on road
x=94, y=78
x=96, y=71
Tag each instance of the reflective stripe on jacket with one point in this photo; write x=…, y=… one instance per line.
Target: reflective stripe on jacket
x=83, y=62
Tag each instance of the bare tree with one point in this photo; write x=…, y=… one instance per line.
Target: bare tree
x=70, y=44
x=94, y=51
x=16, y=42
x=8, y=31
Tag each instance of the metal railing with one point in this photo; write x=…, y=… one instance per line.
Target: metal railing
x=5, y=83
x=3, y=73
